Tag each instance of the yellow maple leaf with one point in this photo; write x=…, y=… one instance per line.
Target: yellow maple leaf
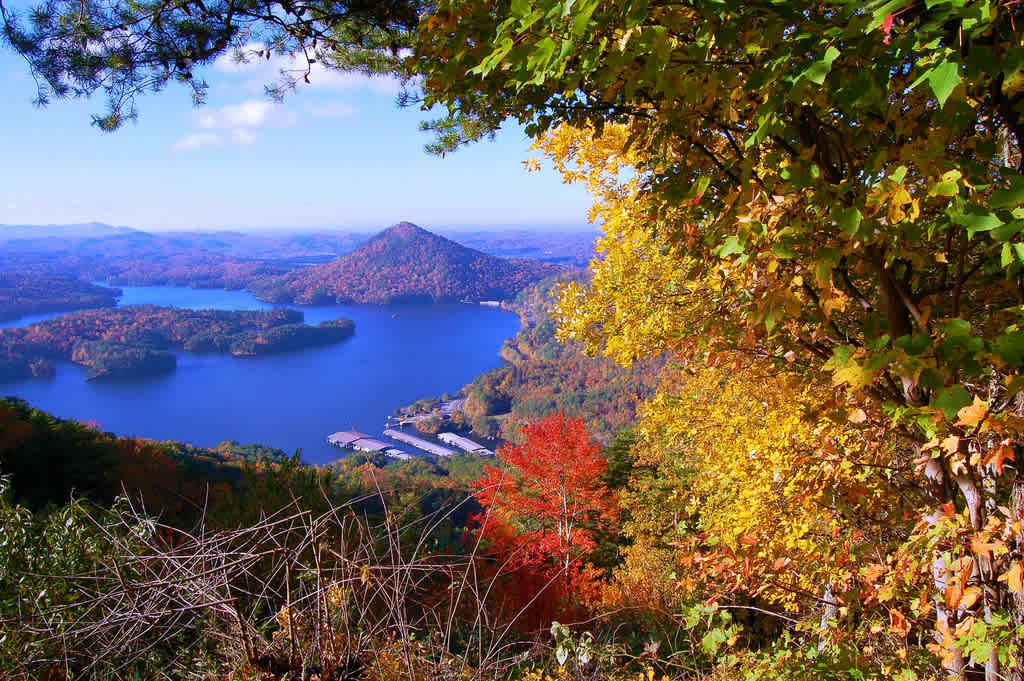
x=972, y=414
x=970, y=597
x=951, y=444
x=1014, y=577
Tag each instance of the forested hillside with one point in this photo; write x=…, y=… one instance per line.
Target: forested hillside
x=405, y=263
x=544, y=376
x=89, y=517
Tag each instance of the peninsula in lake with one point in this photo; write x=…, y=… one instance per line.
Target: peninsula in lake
x=24, y=294
x=141, y=340
x=405, y=263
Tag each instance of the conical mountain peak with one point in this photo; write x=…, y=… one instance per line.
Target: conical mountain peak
x=408, y=263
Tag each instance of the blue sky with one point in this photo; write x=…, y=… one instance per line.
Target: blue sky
x=338, y=153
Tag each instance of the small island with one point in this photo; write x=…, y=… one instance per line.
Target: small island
x=141, y=340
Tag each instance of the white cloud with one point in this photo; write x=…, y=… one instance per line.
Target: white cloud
x=239, y=137
x=235, y=124
x=252, y=113
x=238, y=124
x=263, y=71
x=249, y=113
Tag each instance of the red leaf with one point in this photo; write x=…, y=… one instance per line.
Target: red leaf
x=887, y=29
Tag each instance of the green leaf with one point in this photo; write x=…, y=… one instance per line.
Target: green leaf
x=1011, y=197
x=1007, y=231
x=582, y=18
x=914, y=345
x=1012, y=253
x=948, y=185
x=977, y=219
x=765, y=125
x=849, y=220
x=944, y=189
x=951, y=400
x=732, y=246
x=1010, y=348
x=819, y=70
x=957, y=328
x=943, y=79
x=784, y=251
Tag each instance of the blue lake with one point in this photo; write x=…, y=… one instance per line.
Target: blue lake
x=399, y=353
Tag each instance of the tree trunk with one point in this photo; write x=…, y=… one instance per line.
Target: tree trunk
x=829, y=612
x=1016, y=599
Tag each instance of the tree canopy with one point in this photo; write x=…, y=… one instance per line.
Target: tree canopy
x=827, y=186
x=124, y=49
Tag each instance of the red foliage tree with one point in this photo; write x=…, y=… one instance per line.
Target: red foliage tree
x=541, y=513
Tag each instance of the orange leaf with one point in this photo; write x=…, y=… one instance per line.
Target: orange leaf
x=857, y=416
x=979, y=545
x=887, y=29
x=1002, y=454
x=965, y=627
x=1014, y=577
x=899, y=625
x=970, y=596
x=951, y=444
x=973, y=414
x=953, y=594
x=874, y=571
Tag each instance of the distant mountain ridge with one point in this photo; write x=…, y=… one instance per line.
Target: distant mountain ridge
x=406, y=263
x=83, y=230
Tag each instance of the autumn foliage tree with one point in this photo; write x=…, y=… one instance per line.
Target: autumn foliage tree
x=541, y=511
x=835, y=186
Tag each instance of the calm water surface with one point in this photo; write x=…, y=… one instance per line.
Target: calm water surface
x=399, y=353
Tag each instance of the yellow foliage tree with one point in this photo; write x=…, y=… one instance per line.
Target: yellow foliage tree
x=765, y=492
x=931, y=407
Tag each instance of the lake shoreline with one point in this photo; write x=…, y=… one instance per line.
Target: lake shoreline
x=290, y=401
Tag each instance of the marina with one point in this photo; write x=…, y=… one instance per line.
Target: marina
x=419, y=443
x=361, y=442
x=465, y=444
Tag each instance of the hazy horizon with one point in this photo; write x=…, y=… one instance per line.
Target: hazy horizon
x=368, y=228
